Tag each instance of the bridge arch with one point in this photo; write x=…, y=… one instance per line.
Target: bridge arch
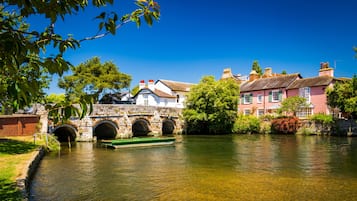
x=105, y=129
x=168, y=126
x=65, y=132
x=140, y=127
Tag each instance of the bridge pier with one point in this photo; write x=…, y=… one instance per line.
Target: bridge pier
x=85, y=130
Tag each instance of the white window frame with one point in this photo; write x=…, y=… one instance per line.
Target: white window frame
x=259, y=98
x=260, y=114
x=245, y=96
x=247, y=112
x=305, y=112
x=146, y=100
x=272, y=96
x=305, y=92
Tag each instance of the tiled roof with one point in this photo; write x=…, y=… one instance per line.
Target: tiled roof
x=177, y=86
x=269, y=83
x=311, y=82
x=157, y=92
x=162, y=94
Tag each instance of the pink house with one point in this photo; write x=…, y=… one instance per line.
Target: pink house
x=263, y=94
x=314, y=91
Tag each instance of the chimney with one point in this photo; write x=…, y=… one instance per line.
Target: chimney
x=268, y=72
x=151, y=85
x=141, y=84
x=253, y=75
x=325, y=69
x=227, y=73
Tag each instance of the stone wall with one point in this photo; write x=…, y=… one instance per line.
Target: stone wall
x=18, y=125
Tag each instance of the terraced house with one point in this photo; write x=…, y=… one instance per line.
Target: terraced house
x=261, y=95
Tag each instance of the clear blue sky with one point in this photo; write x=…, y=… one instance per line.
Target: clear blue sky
x=197, y=37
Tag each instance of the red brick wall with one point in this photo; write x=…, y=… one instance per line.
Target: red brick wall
x=18, y=125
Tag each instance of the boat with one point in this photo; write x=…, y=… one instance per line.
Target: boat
x=139, y=142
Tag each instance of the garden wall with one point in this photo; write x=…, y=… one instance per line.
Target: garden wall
x=18, y=125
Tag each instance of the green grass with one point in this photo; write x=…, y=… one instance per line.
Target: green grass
x=14, y=155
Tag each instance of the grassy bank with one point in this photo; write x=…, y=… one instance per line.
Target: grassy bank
x=14, y=156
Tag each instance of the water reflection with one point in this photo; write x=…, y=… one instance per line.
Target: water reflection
x=231, y=167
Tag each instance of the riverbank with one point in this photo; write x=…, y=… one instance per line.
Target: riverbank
x=19, y=157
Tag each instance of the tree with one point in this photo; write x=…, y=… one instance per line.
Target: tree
x=284, y=72
x=93, y=78
x=211, y=106
x=55, y=98
x=24, y=63
x=343, y=96
x=135, y=90
x=292, y=105
x=256, y=67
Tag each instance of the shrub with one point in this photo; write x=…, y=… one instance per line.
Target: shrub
x=304, y=130
x=285, y=125
x=265, y=127
x=322, y=118
x=246, y=124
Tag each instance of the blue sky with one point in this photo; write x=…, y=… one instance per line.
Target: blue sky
x=198, y=38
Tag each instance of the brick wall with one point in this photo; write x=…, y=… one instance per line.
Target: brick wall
x=18, y=125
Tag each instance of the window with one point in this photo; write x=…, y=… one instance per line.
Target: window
x=260, y=112
x=146, y=101
x=305, y=93
x=177, y=98
x=246, y=111
x=248, y=98
x=259, y=98
x=304, y=112
x=275, y=95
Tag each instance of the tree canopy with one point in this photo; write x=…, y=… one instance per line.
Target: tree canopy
x=343, y=96
x=211, y=106
x=55, y=98
x=25, y=65
x=292, y=104
x=93, y=78
x=256, y=67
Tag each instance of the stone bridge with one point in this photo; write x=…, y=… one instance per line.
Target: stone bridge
x=109, y=121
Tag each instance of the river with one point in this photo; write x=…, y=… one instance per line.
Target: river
x=230, y=167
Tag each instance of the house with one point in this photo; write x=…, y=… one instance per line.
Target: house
x=313, y=90
x=117, y=98
x=162, y=93
x=263, y=94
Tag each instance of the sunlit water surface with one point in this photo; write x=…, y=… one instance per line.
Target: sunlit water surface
x=231, y=167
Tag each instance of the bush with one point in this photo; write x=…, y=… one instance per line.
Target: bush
x=322, y=118
x=246, y=124
x=285, y=125
x=306, y=131
x=265, y=127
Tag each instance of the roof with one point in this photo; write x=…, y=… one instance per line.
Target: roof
x=162, y=94
x=269, y=83
x=157, y=92
x=176, y=86
x=311, y=82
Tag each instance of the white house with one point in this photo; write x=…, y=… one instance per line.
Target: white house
x=163, y=93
